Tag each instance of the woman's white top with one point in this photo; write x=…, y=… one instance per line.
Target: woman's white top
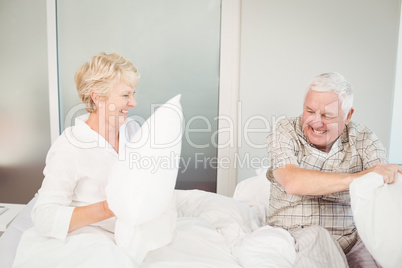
x=76, y=174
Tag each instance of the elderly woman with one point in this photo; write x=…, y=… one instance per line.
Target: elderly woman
x=72, y=195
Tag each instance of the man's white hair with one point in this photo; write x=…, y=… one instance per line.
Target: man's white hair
x=327, y=82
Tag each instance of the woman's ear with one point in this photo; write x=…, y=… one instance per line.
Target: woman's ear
x=94, y=97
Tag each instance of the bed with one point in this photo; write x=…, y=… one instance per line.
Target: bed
x=211, y=231
x=218, y=231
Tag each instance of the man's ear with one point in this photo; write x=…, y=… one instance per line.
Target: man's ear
x=349, y=116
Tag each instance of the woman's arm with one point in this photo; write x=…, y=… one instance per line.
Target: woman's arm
x=86, y=215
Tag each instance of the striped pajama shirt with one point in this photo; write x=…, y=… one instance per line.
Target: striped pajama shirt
x=355, y=150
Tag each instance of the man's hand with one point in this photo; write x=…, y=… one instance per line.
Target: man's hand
x=389, y=172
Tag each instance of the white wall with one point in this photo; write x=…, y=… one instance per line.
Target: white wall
x=395, y=148
x=286, y=43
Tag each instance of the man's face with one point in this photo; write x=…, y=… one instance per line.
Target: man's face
x=323, y=119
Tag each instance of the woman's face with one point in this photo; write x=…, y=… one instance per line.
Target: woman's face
x=117, y=104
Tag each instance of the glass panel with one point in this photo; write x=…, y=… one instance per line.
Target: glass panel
x=174, y=44
x=24, y=104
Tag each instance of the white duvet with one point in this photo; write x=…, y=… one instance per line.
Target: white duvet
x=211, y=231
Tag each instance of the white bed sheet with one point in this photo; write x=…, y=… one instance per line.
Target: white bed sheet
x=10, y=239
x=212, y=231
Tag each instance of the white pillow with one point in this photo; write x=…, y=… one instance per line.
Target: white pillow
x=141, y=195
x=255, y=192
x=377, y=210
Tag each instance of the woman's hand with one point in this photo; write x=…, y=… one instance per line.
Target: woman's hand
x=106, y=209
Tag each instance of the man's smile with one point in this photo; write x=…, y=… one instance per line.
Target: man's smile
x=319, y=131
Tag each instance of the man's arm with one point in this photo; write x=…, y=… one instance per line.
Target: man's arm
x=302, y=181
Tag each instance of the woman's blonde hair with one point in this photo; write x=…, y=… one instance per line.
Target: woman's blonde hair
x=100, y=74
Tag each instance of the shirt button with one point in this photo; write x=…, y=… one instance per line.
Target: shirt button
x=322, y=207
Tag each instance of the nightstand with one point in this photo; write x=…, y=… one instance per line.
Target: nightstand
x=8, y=216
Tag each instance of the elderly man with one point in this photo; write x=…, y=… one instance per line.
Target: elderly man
x=314, y=159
